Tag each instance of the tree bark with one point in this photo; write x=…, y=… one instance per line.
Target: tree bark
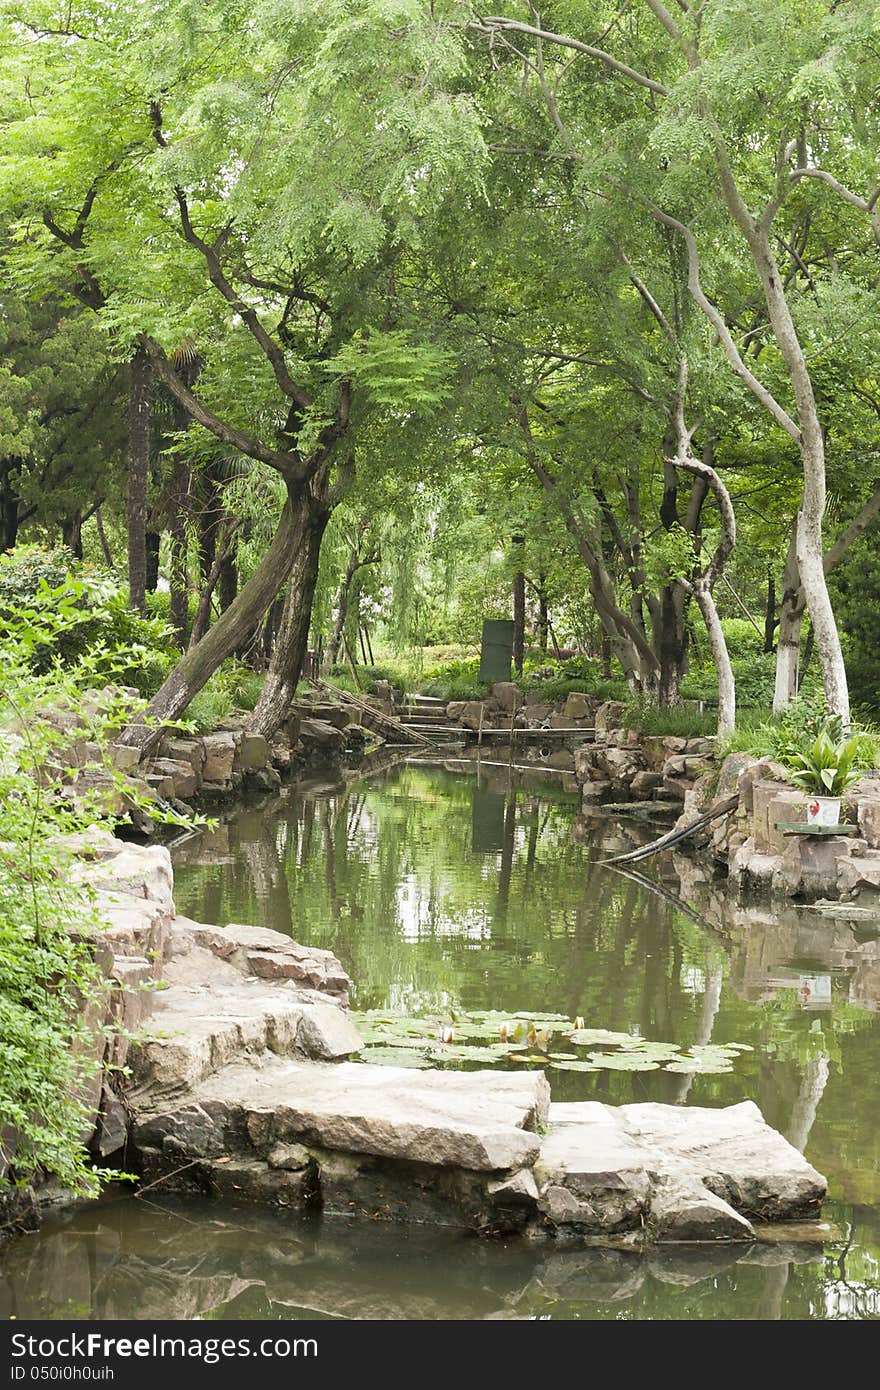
x=291, y=643
x=221, y=640
x=153, y=541
x=138, y=471
x=788, y=644
x=71, y=533
x=9, y=504
x=543, y=613
x=793, y=605
x=770, y=614
x=519, y=610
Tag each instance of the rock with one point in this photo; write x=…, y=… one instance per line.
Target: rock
x=868, y=812
x=326, y=1033
x=856, y=873
x=644, y=783
x=507, y=696
x=185, y=750
x=591, y=1176
x=577, y=705
x=536, y=712
x=609, y=716
x=267, y=954
x=325, y=737
x=455, y=709
x=684, y=1210
x=472, y=714
x=252, y=753
x=772, y=803
x=520, y=1189
x=257, y=1182
x=292, y=1157
x=123, y=757
x=621, y=764
x=181, y=775
x=219, y=757
x=810, y=866
x=479, y=1121
x=562, y=758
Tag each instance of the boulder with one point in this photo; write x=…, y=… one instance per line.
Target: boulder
x=683, y=1209
x=185, y=750
x=561, y=758
x=219, y=757
x=482, y=1121
x=326, y=1033
x=644, y=783
x=536, y=712
x=609, y=716
x=455, y=709
x=810, y=866
x=183, y=779
x=316, y=733
x=578, y=705
x=868, y=812
x=252, y=753
x=123, y=757
x=772, y=803
x=857, y=874
x=472, y=714
x=507, y=696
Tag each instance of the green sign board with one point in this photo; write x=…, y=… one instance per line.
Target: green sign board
x=496, y=651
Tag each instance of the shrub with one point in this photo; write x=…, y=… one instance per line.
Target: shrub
x=97, y=627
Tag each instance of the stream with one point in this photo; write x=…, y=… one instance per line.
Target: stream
x=444, y=892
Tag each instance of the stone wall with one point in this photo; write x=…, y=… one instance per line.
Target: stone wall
x=746, y=846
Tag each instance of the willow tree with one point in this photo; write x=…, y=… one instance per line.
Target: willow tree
x=250, y=181
x=732, y=111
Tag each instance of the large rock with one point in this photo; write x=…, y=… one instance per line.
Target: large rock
x=868, y=811
x=219, y=757
x=472, y=715
x=482, y=1121
x=252, y=754
x=507, y=696
x=684, y=1173
x=181, y=775
x=321, y=735
x=577, y=705
x=609, y=716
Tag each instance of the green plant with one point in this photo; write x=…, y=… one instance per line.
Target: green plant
x=827, y=767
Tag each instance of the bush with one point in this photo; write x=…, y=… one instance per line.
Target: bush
x=787, y=735
x=234, y=687
x=98, y=627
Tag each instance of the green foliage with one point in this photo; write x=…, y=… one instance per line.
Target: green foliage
x=827, y=767
x=83, y=615
x=233, y=687
x=644, y=716
x=794, y=734
x=493, y=1039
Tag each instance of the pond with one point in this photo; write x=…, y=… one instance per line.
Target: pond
x=444, y=893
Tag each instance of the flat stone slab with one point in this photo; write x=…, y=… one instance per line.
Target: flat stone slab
x=478, y=1121
x=196, y=1031
x=683, y=1172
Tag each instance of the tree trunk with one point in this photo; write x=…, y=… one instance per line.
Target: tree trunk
x=519, y=610
x=670, y=644
x=138, y=471
x=151, y=579
x=202, y=619
x=9, y=504
x=770, y=614
x=102, y=537
x=721, y=658
x=71, y=533
x=230, y=630
x=335, y=642
x=227, y=585
x=291, y=644
x=543, y=613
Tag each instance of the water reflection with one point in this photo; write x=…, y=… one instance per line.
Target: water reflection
x=122, y=1259
x=438, y=890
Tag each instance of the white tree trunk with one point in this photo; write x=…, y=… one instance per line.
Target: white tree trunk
x=788, y=640
x=721, y=658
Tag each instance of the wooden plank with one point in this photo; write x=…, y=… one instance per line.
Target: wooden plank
x=793, y=827
x=346, y=698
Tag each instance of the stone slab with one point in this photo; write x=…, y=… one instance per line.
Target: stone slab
x=481, y=1121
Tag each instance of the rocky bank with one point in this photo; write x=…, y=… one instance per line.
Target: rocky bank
x=243, y=1082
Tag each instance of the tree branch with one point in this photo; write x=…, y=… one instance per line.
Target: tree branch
x=493, y=24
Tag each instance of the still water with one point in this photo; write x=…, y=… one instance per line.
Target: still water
x=442, y=891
